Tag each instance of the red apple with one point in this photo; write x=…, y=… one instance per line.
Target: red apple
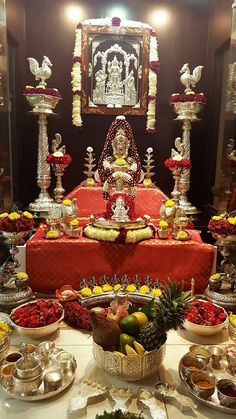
x=117, y=313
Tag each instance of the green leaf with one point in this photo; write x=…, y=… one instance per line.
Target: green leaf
x=147, y=309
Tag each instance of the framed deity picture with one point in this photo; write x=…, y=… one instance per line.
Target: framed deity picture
x=114, y=70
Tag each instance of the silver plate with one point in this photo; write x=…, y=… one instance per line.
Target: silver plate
x=214, y=402
x=40, y=395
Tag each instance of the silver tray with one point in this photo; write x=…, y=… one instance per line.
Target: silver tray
x=105, y=298
x=40, y=395
x=213, y=402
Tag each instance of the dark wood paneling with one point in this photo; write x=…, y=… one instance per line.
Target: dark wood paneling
x=184, y=38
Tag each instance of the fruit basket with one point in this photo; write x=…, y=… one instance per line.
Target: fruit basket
x=4, y=339
x=129, y=367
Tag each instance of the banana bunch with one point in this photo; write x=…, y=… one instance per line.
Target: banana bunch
x=137, y=350
x=4, y=329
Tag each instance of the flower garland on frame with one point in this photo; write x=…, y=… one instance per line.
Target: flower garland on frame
x=115, y=23
x=77, y=78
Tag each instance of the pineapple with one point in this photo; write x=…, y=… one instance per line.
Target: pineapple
x=167, y=313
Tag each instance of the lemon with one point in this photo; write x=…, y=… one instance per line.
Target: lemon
x=130, y=325
x=142, y=317
x=139, y=348
x=126, y=339
x=129, y=350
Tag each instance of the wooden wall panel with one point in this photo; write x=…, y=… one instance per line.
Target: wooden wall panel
x=186, y=37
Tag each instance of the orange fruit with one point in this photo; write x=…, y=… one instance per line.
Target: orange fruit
x=142, y=317
x=130, y=325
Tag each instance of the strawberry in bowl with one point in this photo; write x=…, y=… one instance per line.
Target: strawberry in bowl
x=205, y=318
x=37, y=318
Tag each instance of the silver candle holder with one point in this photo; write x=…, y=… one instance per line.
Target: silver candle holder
x=187, y=111
x=42, y=105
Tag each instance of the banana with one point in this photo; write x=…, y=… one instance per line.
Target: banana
x=129, y=350
x=4, y=327
x=139, y=348
x=119, y=354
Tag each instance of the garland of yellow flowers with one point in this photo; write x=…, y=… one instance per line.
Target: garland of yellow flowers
x=76, y=74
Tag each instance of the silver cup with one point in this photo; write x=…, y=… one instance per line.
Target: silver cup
x=66, y=362
x=27, y=368
x=200, y=352
x=216, y=356
x=203, y=383
x=189, y=364
x=224, y=388
x=52, y=381
x=26, y=386
x=6, y=378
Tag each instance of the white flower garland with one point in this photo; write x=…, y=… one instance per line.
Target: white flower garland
x=77, y=79
x=77, y=74
x=152, y=85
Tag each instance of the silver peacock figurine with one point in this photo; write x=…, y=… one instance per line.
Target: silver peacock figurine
x=188, y=79
x=41, y=73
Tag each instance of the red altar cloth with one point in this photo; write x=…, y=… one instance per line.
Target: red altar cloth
x=51, y=264
x=90, y=200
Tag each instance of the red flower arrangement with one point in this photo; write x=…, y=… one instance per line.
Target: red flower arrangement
x=222, y=225
x=183, y=97
x=16, y=222
x=77, y=316
x=171, y=163
x=64, y=159
x=38, y=314
x=129, y=201
x=30, y=90
x=115, y=21
x=205, y=313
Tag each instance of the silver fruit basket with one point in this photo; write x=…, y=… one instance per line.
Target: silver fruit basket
x=129, y=367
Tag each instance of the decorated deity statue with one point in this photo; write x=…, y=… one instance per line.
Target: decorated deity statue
x=119, y=164
x=119, y=170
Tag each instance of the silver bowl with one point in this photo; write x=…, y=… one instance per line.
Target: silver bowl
x=28, y=368
x=221, y=386
x=36, y=332
x=26, y=386
x=200, y=352
x=129, y=367
x=190, y=364
x=197, y=381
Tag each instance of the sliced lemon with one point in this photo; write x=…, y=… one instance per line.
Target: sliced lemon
x=129, y=350
x=139, y=348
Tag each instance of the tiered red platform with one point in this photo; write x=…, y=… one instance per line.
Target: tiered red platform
x=51, y=264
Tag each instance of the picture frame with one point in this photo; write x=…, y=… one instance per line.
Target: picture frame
x=114, y=67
